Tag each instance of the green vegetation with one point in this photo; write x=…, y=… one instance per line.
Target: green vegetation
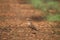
x=45, y=6
x=55, y=17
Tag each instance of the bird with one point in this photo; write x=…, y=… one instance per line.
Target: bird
x=30, y=24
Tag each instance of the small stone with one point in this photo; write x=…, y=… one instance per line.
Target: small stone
x=41, y=39
x=4, y=38
x=26, y=34
x=38, y=39
x=21, y=31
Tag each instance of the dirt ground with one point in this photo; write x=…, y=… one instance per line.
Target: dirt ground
x=16, y=23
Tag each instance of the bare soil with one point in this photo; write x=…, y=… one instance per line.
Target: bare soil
x=16, y=23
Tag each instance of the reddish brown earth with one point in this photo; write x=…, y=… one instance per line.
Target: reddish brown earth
x=14, y=24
